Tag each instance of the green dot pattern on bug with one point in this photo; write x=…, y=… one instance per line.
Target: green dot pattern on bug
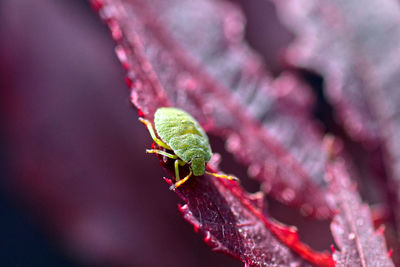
x=185, y=136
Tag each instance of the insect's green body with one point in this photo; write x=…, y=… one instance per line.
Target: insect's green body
x=181, y=133
x=184, y=135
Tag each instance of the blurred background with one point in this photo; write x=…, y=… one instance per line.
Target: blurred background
x=76, y=187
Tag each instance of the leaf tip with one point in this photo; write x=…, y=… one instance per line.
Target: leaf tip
x=169, y=181
x=333, y=249
x=140, y=113
x=381, y=229
x=128, y=81
x=96, y=5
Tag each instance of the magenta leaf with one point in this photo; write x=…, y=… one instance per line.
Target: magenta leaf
x=166, y=67
x=352, y=227
x=231, y=222
x=161, y=73
x=356, y=49
x=355, y=56
x=77, y=160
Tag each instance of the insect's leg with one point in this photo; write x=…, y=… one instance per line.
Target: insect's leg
x=177, y=178
x=160, y=152
x=180, y=182
x=220, y=175
x=178, y=163
x=153, y=135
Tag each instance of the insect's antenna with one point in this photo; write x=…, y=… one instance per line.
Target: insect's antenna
x=224, y=176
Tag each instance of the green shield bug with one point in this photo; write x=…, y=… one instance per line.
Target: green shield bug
x=180, y=133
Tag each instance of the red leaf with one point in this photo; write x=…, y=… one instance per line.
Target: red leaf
x=165, y=67
x=337, y=40
x=352, y=227
x=162, y=71
x=79, y=180
x=356, y=48
x=231, y=223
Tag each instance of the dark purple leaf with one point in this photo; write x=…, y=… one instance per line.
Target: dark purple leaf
x=352, y=227
x=339, y=40
x=196, y=74
x=225, y=215
x=72, y=156
x=356, y=48
x=232, y=222
x=73, y=143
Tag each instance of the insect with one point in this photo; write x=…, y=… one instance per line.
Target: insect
x=180, y=133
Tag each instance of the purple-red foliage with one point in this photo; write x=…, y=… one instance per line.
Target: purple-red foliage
x=359, y=243
x=146, y=48
x=192, y=55
x=214, y=76
x=356, y=49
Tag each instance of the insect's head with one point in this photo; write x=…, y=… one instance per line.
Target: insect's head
x=198, y=166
